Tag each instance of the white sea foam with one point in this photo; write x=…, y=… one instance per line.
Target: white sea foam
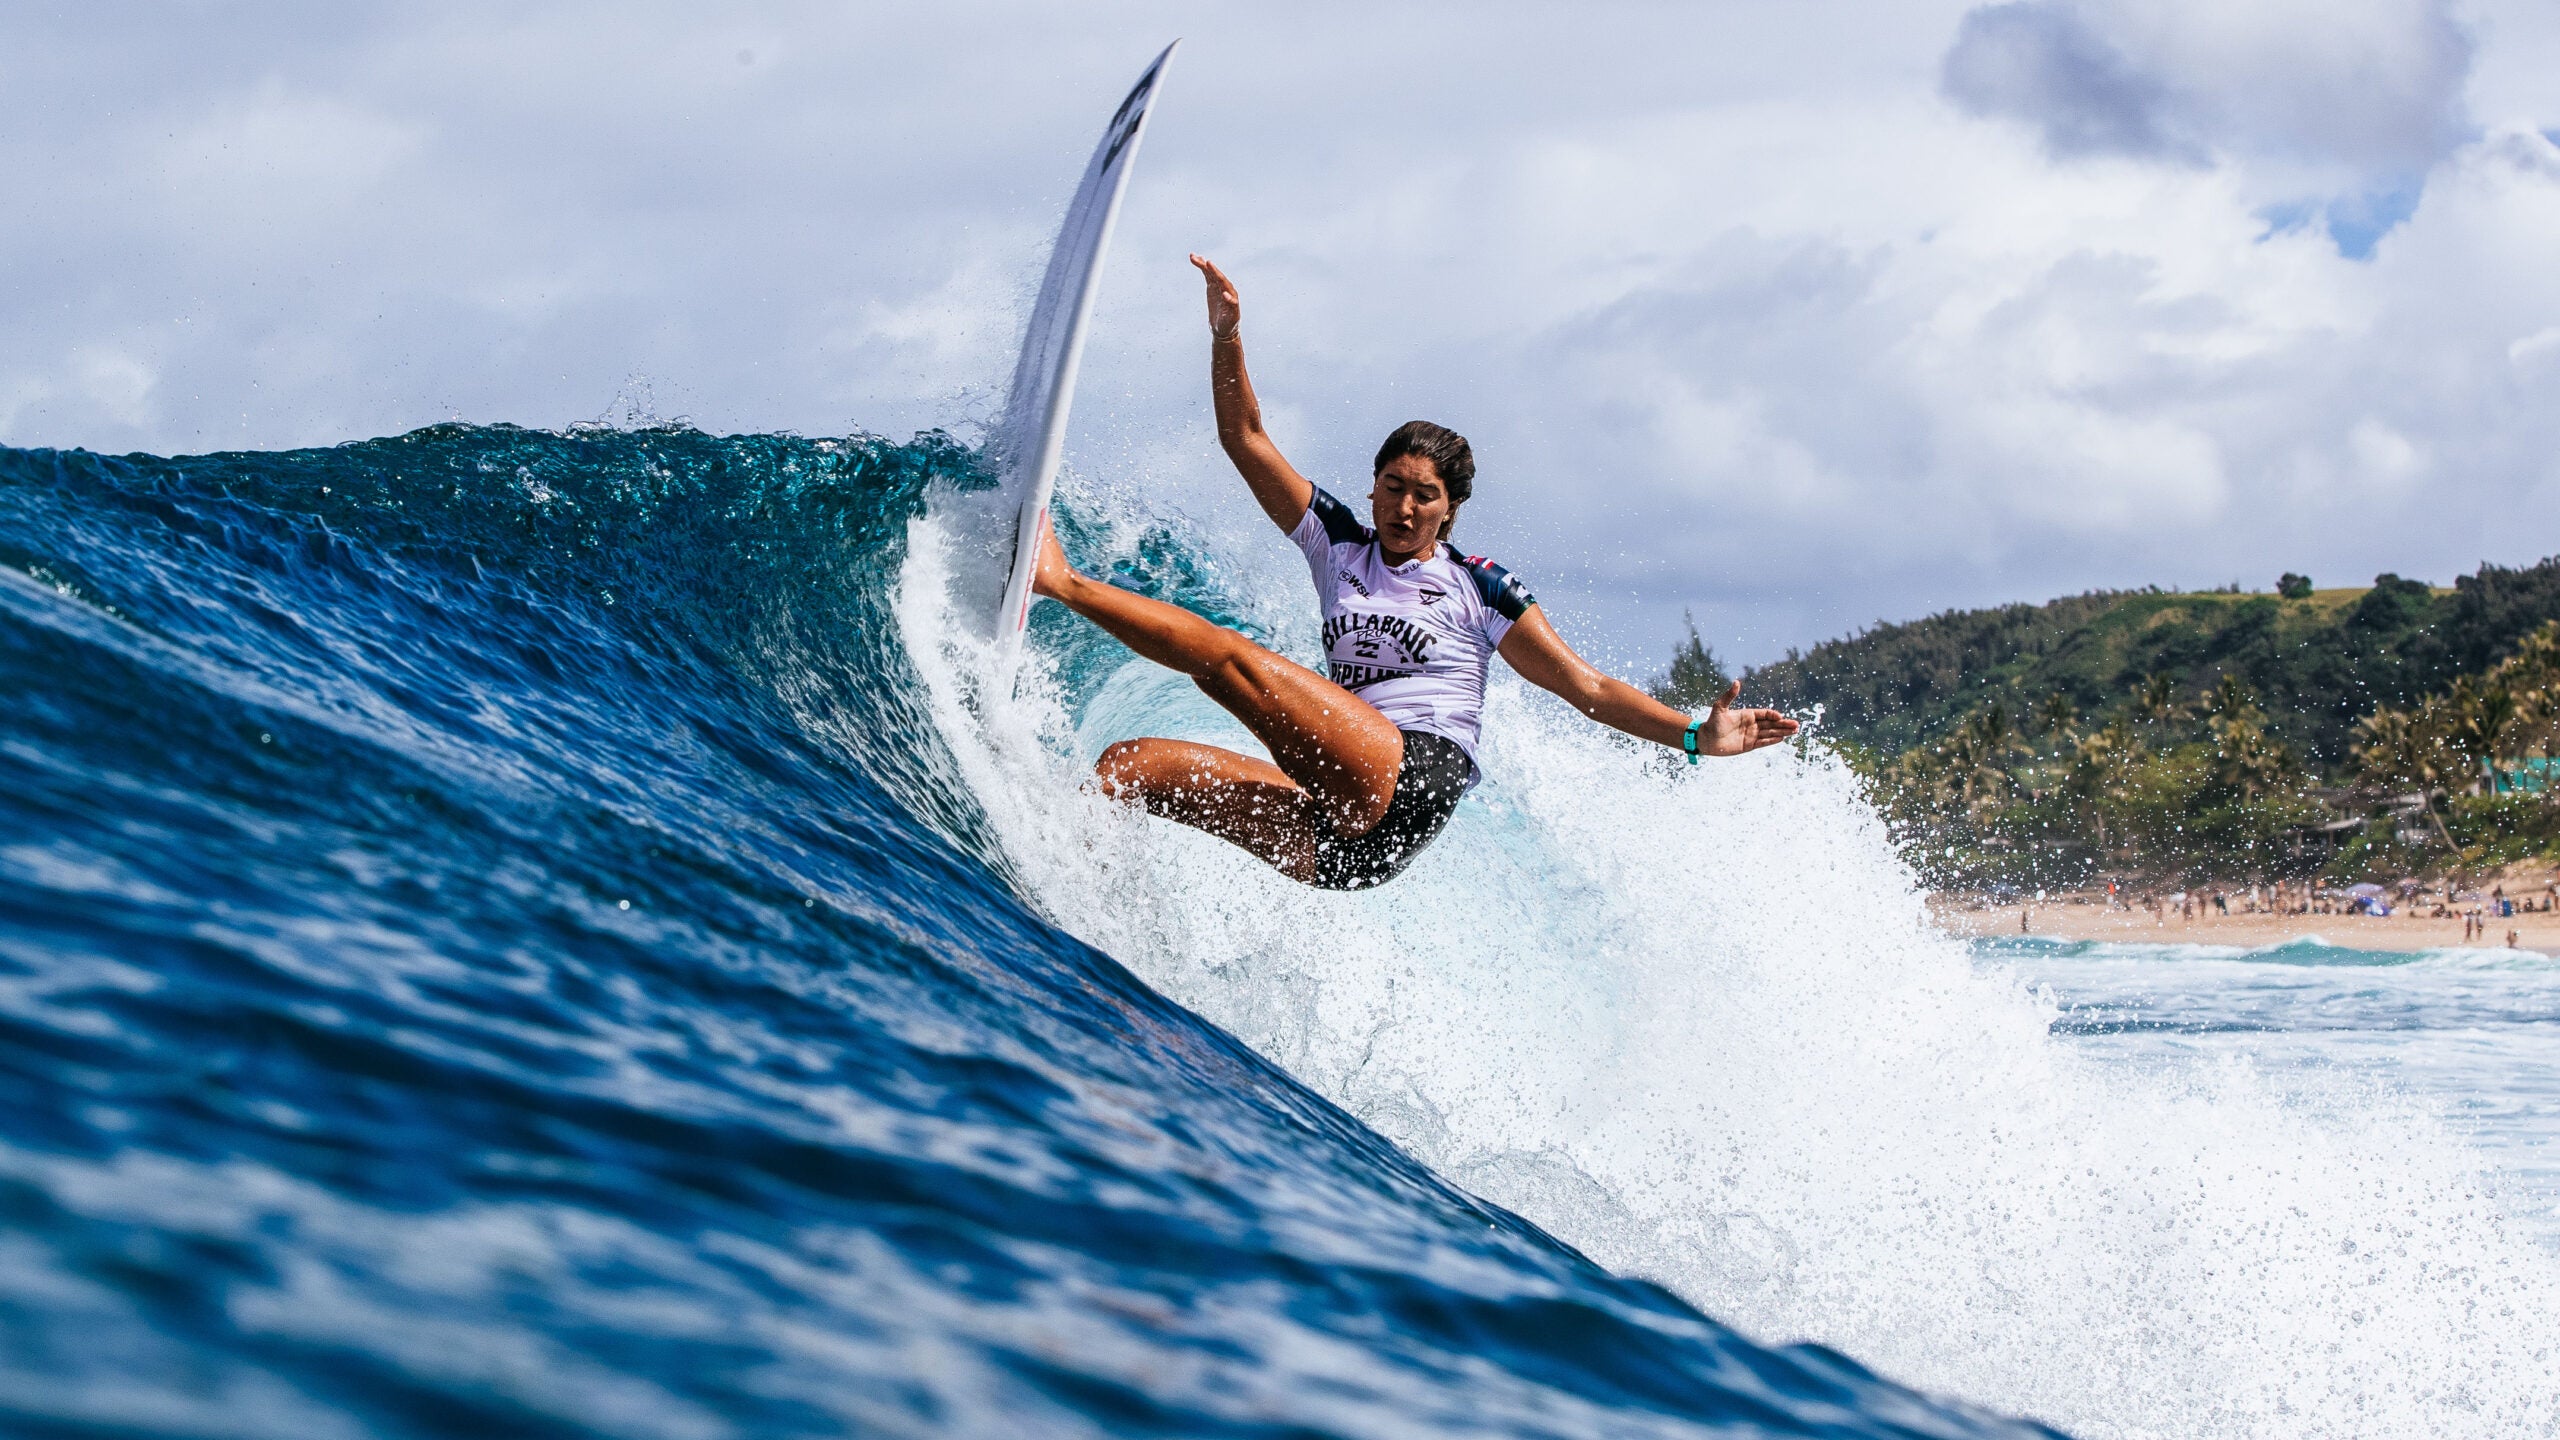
x=1695, y=1023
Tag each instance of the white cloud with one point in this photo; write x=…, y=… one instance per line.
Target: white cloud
x=105, y=384
x=2373, y=88
x=2387, y=461
x=1743, y=312
x=2538, y=348
x=271, y=158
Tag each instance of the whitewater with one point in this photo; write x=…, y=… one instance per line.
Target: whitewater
x=506, y=932
x=1696, y=1023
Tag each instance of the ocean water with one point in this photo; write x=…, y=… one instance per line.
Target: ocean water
x=1696, y=1023
x=2468, y=1036
x=495, y=940
x=531, y=934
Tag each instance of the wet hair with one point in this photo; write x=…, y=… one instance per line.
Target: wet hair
x=1445, y=448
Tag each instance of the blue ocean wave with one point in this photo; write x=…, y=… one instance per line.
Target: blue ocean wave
x=490, y=943
x=2315, y=951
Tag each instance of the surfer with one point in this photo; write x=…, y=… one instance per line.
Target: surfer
x=1366, y=765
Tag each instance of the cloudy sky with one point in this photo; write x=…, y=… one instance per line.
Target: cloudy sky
x=1801, y=315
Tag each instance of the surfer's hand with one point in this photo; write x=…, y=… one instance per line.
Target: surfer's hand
x=1226, y=309
x=1738, y=732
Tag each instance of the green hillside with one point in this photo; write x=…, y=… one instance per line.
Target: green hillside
x=2393, y=730
x=2317, y=663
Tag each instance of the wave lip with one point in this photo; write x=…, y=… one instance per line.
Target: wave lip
x=1697, y=1024
x=494, y=939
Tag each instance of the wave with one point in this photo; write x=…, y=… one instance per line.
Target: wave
x=1696, y=1023
x=510, y=932
x=2314, y=951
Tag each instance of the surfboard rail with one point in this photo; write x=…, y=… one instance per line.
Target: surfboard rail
x=1030, y=438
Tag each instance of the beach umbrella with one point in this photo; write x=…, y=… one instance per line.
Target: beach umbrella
x=2367, y=889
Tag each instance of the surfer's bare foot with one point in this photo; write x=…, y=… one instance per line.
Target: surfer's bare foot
x=1051, y=575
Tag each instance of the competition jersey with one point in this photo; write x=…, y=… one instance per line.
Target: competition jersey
x=1415, y=639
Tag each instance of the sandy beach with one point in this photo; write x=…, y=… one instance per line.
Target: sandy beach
x=2089, y=920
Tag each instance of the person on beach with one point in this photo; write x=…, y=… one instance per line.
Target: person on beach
x=1368, y=761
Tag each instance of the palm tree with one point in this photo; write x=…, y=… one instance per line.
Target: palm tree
x=2537, y=659
x=1920, y=786
x=2230, y=695
x=2059, y=716
x=2155, y=701
x=2100, y=765
x=2480, y=717
x=2537, y=724
x=1696, y=678
x=1966, y=772
x=1995, y=727
x=2398, y=748
x=1981, y=749
x=2245, y=758
x=2532, y=677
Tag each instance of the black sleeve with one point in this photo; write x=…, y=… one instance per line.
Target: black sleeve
x=1340, y=525
x=1500, y=588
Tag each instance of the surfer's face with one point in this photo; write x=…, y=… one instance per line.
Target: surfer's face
x=1410, y=506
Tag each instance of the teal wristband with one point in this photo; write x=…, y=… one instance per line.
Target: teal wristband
x=1689, y=740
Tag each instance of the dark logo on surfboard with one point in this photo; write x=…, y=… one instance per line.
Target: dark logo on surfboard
x=1131, y=114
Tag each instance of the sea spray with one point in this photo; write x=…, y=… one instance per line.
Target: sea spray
x=492, y=942
x=1694, y=1022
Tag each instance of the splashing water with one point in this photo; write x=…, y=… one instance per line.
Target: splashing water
x=1694, y=1022
x=497, y=937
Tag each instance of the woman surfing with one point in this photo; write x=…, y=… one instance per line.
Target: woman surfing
x=1366, y=765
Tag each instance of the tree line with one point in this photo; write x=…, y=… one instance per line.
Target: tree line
x=2320, y=660
x=2406, y=730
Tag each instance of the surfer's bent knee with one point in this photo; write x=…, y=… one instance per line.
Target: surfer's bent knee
x=1118, y=768
x=1232, y=663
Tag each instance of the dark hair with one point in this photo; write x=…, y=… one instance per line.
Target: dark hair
x=1445, y=448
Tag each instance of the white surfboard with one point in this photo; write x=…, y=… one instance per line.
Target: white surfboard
x=1026, y=443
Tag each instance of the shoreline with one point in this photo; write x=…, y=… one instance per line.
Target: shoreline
x=2078, y=918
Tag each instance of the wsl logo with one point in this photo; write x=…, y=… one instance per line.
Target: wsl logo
x=1362, y=649
x=1132, y=113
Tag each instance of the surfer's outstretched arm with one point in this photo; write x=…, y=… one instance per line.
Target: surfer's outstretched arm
x=1283, y=492
x=1533, y=648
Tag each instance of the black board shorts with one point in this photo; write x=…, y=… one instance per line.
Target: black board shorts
x=1434, y=775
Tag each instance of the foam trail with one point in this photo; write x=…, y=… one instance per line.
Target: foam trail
x=1695, y=1023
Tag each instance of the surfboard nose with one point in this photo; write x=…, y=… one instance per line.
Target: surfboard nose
x=1029, y=439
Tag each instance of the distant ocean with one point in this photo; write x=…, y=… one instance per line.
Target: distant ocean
x=2469, y=1036
x=512, y=933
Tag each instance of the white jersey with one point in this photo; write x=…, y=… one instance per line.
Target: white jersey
x=1414, y=640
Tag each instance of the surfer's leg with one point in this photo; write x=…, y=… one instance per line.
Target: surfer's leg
x=1246, y=802
x=1329, y=741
